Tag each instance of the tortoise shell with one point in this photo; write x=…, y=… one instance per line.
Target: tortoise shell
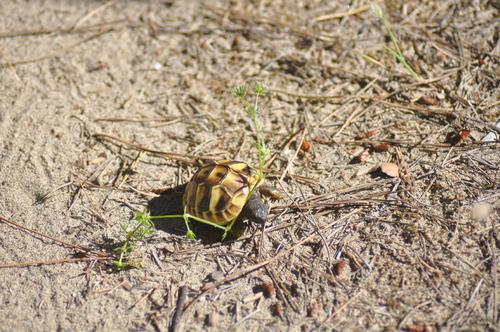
x=219, y=191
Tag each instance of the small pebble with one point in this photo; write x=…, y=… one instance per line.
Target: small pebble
x=480, y=211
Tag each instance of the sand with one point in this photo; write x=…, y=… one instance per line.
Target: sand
x=95, y=95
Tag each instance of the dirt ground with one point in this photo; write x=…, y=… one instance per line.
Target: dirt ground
x=108, y=108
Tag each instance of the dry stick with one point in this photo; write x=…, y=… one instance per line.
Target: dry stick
x=419, y=109
x=189, y=159
x=61, y=242
x=11, y=67
x=244, y=271
x=53, y=261
x=139, y=120
x=358, y=111
x=181, y=298
x=145, y=296
x=46, y=31
x=125, y=177
x=412, y=310
x=345, y=190
x=494, y=271
x=48, y=195
x=405, y=171
x=281, y=290
x=92, y=13
x=335, y=312
x=185, y=158
x=413, y=144
x=351, y=97
x=282, y=147
x=101, y=168
x=253, y=20
x=54, y=54
x=342, y=98
x=351, y=12
x=312, y=221
x=290, y=161
x=355, y=201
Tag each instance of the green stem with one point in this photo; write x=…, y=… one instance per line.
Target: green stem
x=191, y=217
x=168, y=216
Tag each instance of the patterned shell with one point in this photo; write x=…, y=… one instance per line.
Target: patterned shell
x=218, y=191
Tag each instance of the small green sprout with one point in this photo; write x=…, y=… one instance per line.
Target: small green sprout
x=190, y=235
x=252, y=110
x=396, y=50
x=240, y=91
x=134, y=232
x=260, y=88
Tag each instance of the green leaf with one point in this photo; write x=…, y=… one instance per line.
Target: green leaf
x=120, y=265
x=377, y=10
x=190, y=235
x=240, y=91
x=142, y=216
x=260, y=88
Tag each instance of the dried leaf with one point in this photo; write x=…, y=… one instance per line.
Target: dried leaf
x=277, y=309
x=464, y=134
x=383, y=147
x=361, y=157
x=271, y=192
x=428, y=100
x=268, y=289
x=367, y=134
x=313, y=310
x=339, y=267
x=390, y=169
x=418, y=327
x=306, y=146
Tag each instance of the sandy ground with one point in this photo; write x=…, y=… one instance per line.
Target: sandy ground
x=94, y=95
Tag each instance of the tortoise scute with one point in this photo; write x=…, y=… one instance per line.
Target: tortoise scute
x=217, y=175
x=218, y=192
x=202, y=174
x=234, y=182
x=190, y=196
x=203, y=197
x=220, y=199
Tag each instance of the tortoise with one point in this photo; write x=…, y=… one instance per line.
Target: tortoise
x=220, y=191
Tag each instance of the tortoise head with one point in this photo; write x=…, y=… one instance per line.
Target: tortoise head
x=255, y=210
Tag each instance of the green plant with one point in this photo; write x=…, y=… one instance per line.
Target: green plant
x=136, y=231
x=395, y=50
x=251, y=110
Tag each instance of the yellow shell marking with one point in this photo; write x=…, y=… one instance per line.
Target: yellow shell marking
x=218, y=192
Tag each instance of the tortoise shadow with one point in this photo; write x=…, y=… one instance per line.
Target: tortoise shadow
x=170, y=203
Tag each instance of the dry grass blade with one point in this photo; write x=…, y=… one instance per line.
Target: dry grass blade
x=351, y=12
x=58, y=52
x=52, y=262
x=184, y=158
x=53, y=239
